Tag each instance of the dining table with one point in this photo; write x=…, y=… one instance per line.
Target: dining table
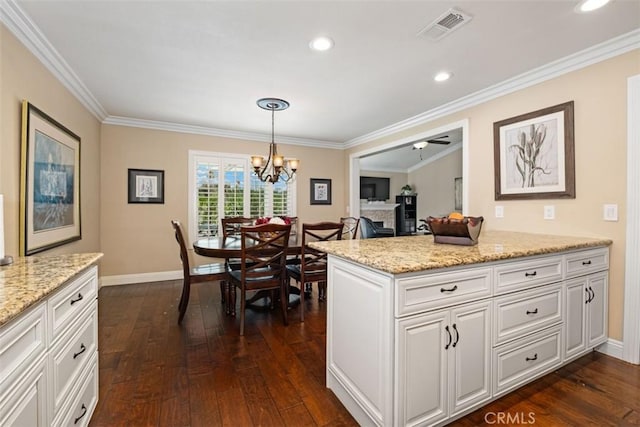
x=230, y=247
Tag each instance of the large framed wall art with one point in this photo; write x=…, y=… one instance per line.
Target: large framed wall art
x=49, y=183
x=534, y=155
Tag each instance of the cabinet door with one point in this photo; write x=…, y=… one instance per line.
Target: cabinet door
x=421, y=368
x=597, y=316
x=576, y=302
x=27, y=405
x=470, y=356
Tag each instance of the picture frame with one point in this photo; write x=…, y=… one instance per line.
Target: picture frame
x=457, y=194
x=320, y=191
x=49, y=183
x=145, y=186
x=534, y=155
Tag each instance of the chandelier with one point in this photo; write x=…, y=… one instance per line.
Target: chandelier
x=275, y=164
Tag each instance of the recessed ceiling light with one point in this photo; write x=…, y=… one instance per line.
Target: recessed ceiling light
x=321, y=44
x=442, y=76
x=590, y=5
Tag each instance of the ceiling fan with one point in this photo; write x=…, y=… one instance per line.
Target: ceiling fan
x=421, y=144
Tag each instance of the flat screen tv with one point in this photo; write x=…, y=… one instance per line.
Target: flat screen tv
x=373, y=188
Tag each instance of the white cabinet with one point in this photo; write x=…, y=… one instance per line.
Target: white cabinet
x=424, y=348
x=443, y=363
x=586, y=300
x=48, y=353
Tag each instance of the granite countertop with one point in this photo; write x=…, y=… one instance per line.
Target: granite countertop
x=30, y=279
x=407, y=254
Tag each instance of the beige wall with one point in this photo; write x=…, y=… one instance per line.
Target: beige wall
x=22, y=76
x=599, y=93
x=434, y=184
x=137, y=238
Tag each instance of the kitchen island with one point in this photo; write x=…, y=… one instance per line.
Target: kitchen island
x=420, y=333
x=49, y=340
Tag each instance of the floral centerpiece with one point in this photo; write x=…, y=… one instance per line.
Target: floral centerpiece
x=282, y=220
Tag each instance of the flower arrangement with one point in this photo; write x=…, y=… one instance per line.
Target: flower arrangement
x=282, y=220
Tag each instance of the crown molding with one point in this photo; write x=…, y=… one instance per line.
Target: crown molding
x=597, y=53
x=203, y=130
x=13, y=17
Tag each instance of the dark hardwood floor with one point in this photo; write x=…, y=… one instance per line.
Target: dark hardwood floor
x=156, y=373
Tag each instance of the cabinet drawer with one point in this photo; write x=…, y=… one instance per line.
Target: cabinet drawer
x=526, y=312
x=585, y=262
x=421, y=293
x=520, y=361
x=71, y=354
x=521, y=275
x=83, y=402
x=22, y=341
x=66, y=306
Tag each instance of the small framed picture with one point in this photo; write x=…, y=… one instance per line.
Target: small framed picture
x=146, y=186
x=320, y=191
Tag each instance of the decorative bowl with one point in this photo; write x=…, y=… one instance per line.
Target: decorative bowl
x=463, y=231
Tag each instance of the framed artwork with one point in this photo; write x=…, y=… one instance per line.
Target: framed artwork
x=49, y=183
x=320, y=191
x=534, y=155
x=457, y=191
x=146, y=186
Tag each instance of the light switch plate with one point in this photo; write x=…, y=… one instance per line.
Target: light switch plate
x=610, y=212
x=499, y=211
x=550, y=212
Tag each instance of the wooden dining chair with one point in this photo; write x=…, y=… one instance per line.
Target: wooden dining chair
x=262, y=266
x=350, y=230
x=231, y=225
x=231, y=228
x=313, y=263
x=216, y=271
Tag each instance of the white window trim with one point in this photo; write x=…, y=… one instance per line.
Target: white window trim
x=192, y=213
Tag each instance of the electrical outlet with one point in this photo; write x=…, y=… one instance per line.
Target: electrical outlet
x=499, y=211
x=610, y=212
x=550, y=212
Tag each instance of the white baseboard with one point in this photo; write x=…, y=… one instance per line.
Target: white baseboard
x=128, y=279
x=612, y=348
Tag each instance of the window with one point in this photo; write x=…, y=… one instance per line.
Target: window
x=217, y=184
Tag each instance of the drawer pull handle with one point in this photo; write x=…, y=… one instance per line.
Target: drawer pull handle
x=84, y=412
x=82, y=350
x=586, y=262
x=457, y=335
x=530, y=359
x=591, y=294
x=455, y=287
x=446, y=328
x=532, y=312
x=530, y=274
x=73, y=301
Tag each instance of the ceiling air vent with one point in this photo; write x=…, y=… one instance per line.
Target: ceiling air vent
x=446, y=23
